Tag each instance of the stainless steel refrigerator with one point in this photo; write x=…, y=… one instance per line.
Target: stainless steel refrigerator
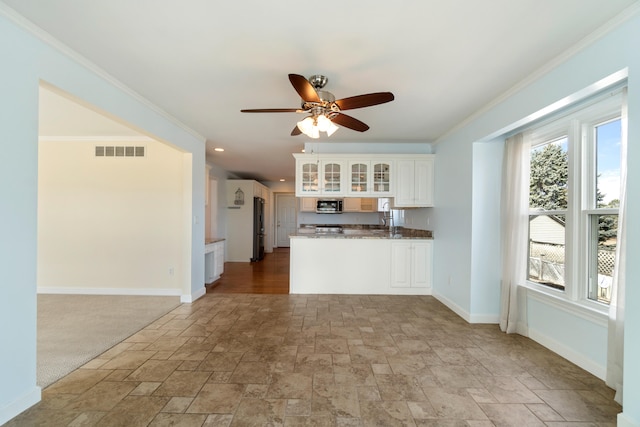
x=258, y=229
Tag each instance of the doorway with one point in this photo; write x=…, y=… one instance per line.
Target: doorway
x=106, y=193
x=286, y=219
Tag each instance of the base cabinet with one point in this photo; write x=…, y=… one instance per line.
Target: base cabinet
x=213, y=261
x=411, y=264
x=359, y=266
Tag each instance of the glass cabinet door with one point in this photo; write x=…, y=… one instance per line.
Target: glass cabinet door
x=359, y=182
x=309, y=178
x=332, y=175
x=381, y=177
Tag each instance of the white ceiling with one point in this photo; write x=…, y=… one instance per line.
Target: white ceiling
x=202, y=61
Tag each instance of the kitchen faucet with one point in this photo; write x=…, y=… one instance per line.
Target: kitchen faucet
x=387, y=215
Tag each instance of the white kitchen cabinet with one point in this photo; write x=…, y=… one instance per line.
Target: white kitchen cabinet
x=360, y=266
x=213, y=261
x=408, y=178
x=344, y=175
x=320, y=177
x=414, y=182
x=359, y=177
x=340, y=266
x=370, y=178
x=411, y=263
x=381, y=178
x=219, y=259
x=260, y=190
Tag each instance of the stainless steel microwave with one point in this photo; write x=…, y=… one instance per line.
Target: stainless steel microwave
x=329, y=206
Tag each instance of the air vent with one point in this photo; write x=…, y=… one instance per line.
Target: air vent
x=120, y=151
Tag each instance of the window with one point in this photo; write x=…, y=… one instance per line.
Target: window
x=601, y=213
x=574, y=186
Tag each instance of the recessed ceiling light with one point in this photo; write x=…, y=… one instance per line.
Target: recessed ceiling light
x=218, y=149
x=281, y=179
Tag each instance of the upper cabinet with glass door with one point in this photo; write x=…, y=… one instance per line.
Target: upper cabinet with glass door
x=370, y=178
x=307, y=178
x=332, y=178
x=359, y=177
x=381, y=178
x=319, y=177
x=353, y=175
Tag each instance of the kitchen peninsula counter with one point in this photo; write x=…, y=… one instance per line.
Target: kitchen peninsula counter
x=365, y=233
x=361, y=261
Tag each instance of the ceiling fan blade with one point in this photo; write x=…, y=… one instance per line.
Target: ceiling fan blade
x=296, y=131
x=367, y=100
x=349, y=122
x=273, y=110
x=304, y=88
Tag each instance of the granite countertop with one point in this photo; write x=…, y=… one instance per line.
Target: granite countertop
x=213, y=240
x=365, y=232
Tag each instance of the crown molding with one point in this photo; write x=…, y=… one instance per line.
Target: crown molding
x=50, y=40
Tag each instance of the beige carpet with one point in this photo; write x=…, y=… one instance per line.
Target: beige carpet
x=73, y=329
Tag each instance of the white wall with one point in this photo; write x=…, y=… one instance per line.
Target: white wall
x=26, y=60
x=221, y=175
x=485, y=242
x=551, y=324
x=571, y=78
x=18, y=204
x=451, y=222
x=109, y=224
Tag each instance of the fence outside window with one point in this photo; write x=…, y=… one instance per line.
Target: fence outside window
x=546, y=266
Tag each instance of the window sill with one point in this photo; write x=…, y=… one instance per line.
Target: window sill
x=592, y=312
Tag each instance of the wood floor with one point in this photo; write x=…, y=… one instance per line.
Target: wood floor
x=269, y=276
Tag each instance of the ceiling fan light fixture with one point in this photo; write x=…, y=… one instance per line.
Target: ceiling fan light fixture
x=314, y=133
x=331, y=128
x=324, y=108
x=306, y=125
x=313, y=125
x=323, y=123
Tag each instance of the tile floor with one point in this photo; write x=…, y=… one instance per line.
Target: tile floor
x=323, y=360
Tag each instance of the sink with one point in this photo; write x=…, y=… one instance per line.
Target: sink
x=352, y=231
x=328, y=229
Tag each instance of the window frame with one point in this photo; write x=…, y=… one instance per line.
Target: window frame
x=578, y=125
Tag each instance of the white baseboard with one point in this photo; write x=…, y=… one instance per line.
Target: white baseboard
x=13, y=409
x=470, y=318
x=568, y=353
x=493, y=319
x=453, y=306
x=522, y=328
x=189, y=298
x=624, y=421
x=112, y=291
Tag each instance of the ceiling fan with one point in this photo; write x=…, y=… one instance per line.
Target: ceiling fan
x=325, y=112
